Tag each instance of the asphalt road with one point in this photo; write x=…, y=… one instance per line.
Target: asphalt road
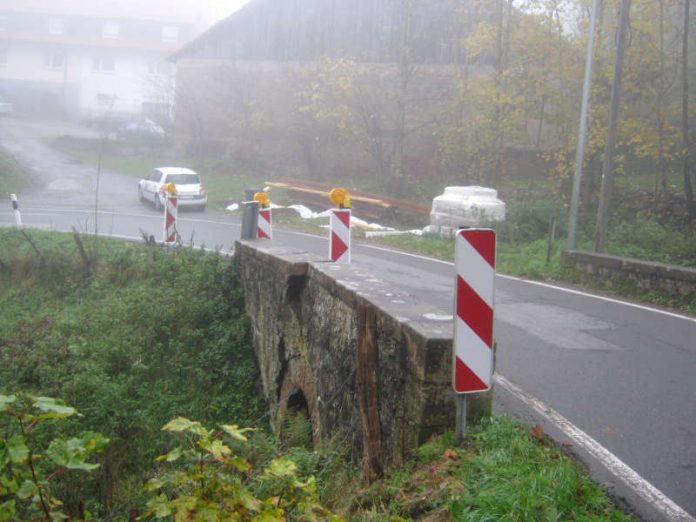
x=623, y=374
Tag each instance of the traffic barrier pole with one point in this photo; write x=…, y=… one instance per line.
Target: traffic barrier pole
x=339, y=246
x=264, y=228
x=472, y=365
x=170, y=215
x=15, y=208
x=339, y=224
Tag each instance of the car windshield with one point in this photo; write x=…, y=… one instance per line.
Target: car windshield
x=183, y=179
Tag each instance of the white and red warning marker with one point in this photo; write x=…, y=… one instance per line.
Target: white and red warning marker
x=265, y=224
x=15, y=209
x=170, y=214
x=339, y=224
x=474, y=302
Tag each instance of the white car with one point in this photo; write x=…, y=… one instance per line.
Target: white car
x=191, y=193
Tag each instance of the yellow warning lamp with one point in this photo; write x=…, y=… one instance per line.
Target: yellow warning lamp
x=170, y=188
x=262, y=199
x=340, y=197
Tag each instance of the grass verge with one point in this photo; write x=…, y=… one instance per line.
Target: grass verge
x=12, y=176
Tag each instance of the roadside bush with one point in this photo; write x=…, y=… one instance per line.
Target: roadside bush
x=149, y=335
x=645, y=239
x=529, y=221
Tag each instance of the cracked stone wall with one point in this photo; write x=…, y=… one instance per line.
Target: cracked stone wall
x=378, y=383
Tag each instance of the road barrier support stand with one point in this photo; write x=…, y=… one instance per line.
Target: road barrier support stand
x=15, y=208
x=250, y=219
x=472, y=361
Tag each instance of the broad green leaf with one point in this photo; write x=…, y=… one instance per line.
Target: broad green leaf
x=235, y=431
x=94, y=442
x=71, y=454
x=8, y=510
x=6, y=401
x=181, y=424
x=17, y=450
x=53, y=408
x=238, y=462
x=217, y=449
x=172, y=456
x=27, y=490
x=282, y=468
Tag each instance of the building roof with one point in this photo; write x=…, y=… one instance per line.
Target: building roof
x=196, y=12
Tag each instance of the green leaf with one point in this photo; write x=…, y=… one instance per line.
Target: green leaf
x=6, y=401
x=217, y=449
x=53, y=408
x=172, y=456
x=8, y=510
x=27, y=490
x=282, y=468
x=235, y=431
x=71, y=454
x=17, y=450
x=181, y=424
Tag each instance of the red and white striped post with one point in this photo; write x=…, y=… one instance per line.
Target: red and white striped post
x=265, y=224
x=339, y=246
x=339, y=224
x=472, y=365
x=170, y=215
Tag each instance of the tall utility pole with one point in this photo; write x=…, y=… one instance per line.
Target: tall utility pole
x=688, y=187
x=608, y=165
x=582, y=134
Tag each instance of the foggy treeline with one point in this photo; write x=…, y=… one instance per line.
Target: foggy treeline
x=465, y=92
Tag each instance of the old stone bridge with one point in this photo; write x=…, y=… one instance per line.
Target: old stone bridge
x=333, y=340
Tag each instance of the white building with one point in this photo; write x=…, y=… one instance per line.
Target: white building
x=87, y=59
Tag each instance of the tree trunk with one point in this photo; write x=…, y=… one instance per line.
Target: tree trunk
x=608, y=166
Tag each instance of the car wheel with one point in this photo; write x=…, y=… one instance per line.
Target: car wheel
x=158, y=203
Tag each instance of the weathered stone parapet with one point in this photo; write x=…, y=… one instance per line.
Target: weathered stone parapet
x=326, y=339
x=670, y=279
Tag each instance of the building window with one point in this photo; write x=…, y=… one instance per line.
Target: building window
x=3, y=22
x=170, y=33
x=104, y=64
x=54, y=60
x=107, y=100
x=56, y=26
x=111, y=30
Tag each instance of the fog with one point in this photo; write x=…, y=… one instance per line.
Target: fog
x=398, y=99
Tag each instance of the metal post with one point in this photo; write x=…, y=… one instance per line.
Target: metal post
x=461, y=417
x=250, y=219
x=582, y=135
x=15, y=208
x=552, y=238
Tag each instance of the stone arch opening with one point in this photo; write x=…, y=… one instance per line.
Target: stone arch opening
x=296, y=427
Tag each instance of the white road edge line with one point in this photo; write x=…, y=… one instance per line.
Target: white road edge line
x=546, y=285
x=617, y=467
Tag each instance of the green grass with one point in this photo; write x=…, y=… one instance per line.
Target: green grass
x=504, y=472
x=12, y=176
x=139, y=336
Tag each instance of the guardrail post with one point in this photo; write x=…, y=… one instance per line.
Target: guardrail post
x=15, y=208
